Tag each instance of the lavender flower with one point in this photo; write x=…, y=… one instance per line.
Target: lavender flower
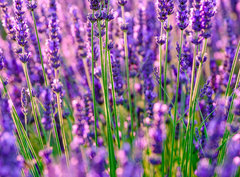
x=2, y=58
x=204, y=169
x=94, y=4
x=232, y=159
x=215, y=132
x=53, y=42
x=97, y=162
x=21, y=27
x=8, y=21
x=11, y=163
x=122, y=2
x=157, y=132
x=182, y=14
x=162, y=10
x=118, y=80
x=196, y=20
x=207, y=12
x=128, y=167
x=31, y=4
x=47, y=117
x=148, y=86
x=24, y=100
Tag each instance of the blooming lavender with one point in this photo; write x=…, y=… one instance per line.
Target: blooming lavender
x=162, y=10
x=128, y=167
x=196, y=20
x=118, y=80
x=207, y=12
x=53, y=42
x=21, y=27
x=31, y=4
x=8, y=21
x=70, y=127
x=2, y=58
x=10, y=161
x=157, y=132
x=97, y=162
x=232, y=162
x=182, y=15
x=47, y=116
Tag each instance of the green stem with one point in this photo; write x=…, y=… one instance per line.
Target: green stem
x=25, y=118
x=165, y=68
x=107, y=111
x=114, y=99
x=57, y=137
x=24, y=65
x=232, y=69
x=127, y=72
x=18, y=124
x=93, y=86
x=160, y=66
x=230, y=115
x=62, y=128
x=196, y=88
x=176, y=105
x=39, y=48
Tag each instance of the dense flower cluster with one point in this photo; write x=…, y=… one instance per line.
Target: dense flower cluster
x=127, y=88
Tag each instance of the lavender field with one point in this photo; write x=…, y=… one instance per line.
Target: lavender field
x=119, y=88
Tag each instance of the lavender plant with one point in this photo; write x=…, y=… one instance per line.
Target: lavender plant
x=119, y=88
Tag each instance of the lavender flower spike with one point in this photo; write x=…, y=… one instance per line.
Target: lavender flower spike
x=207, y=12
x=182, y=15
x=53, y=41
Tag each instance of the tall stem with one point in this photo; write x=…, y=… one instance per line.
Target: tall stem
x=24, y=65
x=127, y=72
x=106, y=107
x=93, y=86
x=160, y=65
x=39, y=48
x=191, y=114
x=114, y=99
x=232, y=69
x=165, y=68
x=176, y=105
x=62, y=128
x=230, y=117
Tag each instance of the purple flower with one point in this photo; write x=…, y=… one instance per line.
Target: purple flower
x=31, y=4
x=45, y=154
x=148, y=87
x=8, y=21
x=9, y=159
x=157, y=132
x=21, y=26
x=128, y=167
x=204, y=169
x=122, y=2
x=2, y=59
x=10, y=162
x=117, y=77
x=215, y=131
x=78, y=34
x=97, y=162
x=207, y=12
x=232, y=159
x=182, y=15
x=83, y=121
x=94, y=4
x=24, y=100
x=162, y=10
x=53, y=42
x=47, y=117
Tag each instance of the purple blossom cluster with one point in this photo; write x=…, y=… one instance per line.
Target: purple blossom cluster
x=127, y=88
